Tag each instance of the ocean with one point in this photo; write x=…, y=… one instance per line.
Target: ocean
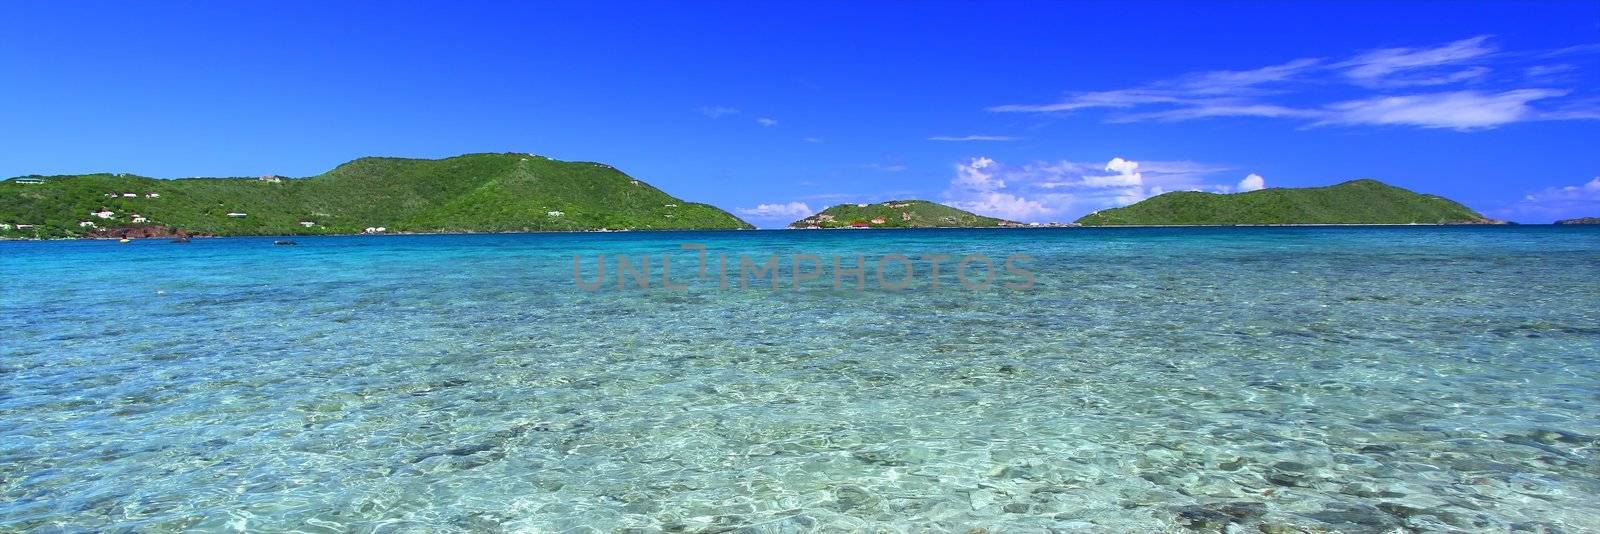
x=1352, y=379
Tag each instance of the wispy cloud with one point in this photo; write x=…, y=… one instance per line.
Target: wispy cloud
x=716, y=112
x=1460, y=110
x=1292, y=90
x=779, y=210
x=1120, y=98
x=1400, y=67
x=766, y=121
x=831, y=196
x=973, y=138
x=885, y=167
x=1549, y=72
x=812, y=140
x=1201, y=110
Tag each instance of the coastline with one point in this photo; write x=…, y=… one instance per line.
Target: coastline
x=662, y=230
x=210, y=236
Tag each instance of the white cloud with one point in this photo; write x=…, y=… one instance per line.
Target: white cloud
x=1588, y=191
x=973, y=176
x=812, y=140
x=1003, y=205
x=778, y=210
x=1122, y=166
x=1252, y=182
x=977, y=187
x=1461, y=110
x=717, y=111
x=767, y=122
x=1559, y=202
x=1125, y=173
x=1060, y=190
x=973, y=138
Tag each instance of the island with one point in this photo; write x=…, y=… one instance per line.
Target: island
x=1362, y=201
x=509, y=192
x=1580, y=220
x=898, y=214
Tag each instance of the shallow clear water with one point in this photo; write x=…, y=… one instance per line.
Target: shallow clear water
x=1327, y=379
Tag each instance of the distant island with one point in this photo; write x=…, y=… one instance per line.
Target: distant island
x=1580, y=220
x=469, y=193
x=529, y=193
x=1355, y=202
x=899, y=214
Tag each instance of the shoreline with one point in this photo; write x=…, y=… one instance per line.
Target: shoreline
x=358, y=234
x=1078, y=227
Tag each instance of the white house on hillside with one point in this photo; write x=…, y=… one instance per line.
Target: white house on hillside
x=104, y=214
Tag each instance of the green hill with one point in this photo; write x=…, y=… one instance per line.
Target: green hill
x=470, y=193
x=1353, y=202
x=897, y=214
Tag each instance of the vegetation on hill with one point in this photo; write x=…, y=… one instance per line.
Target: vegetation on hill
x=1353, y=202
x=1580, y=220
x=470, y=193
x=897, y=214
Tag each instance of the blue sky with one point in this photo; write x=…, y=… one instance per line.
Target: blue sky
x=1033, y=111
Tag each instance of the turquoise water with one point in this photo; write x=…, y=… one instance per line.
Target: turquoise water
x=1324, y=379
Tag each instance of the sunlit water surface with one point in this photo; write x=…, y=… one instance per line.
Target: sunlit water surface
x=1339, y=379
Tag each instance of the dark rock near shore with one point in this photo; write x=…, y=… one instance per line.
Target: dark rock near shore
x=1354, y=516
x=850, y=497
x=1217, y=516
x=139, y=232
